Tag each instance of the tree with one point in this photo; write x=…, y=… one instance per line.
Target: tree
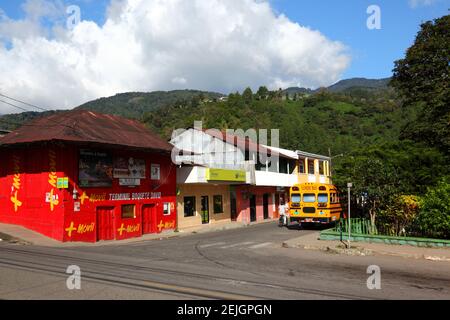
x=375, y=181
x=434, y=216
x=400, y=214
x=263, y=92
x=247, y=95
x=422, y=78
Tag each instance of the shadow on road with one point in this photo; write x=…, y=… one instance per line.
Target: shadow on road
x=296, y=226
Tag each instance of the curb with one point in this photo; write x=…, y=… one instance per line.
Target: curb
x=336, y=250
x=156, y=237
x=360, y=251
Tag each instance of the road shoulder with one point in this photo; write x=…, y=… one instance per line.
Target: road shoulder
x=311, y=242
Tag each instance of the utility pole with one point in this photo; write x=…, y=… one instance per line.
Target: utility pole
x=349, y=186
x=331, y=158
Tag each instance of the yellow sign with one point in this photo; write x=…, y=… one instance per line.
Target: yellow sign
x=166, y=225
x=225, y=175
x=16, y=185
x=81, y=229
x=129, y=228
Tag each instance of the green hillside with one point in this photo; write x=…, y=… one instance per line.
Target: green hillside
x=341, y=122
x=135, y=104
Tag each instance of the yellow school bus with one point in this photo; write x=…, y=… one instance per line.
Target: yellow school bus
x=314, y=203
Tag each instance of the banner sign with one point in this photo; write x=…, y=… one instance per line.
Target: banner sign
x=129, y=168
x=225, y=175
x=95, y=169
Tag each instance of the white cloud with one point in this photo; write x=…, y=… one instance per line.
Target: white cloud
x=419, y=3
x=146, y=45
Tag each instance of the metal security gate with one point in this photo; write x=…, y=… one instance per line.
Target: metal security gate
x=149, y=219
x=105, y=223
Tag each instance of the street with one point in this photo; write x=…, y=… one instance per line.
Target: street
x=245, y=263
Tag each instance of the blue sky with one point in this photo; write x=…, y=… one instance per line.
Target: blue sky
x=372, y=51
x=213, y=45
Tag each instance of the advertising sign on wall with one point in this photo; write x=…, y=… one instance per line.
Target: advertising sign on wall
x=130, y=182
x=129, y=168
x=95, y=169
x=156, y=171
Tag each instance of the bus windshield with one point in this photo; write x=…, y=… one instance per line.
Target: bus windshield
x=309, y=197
x=323, y=197
x=295, y=197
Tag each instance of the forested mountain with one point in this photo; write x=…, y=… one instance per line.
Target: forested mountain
x=14, y=121
x=347, y=85
x=315, y=123
x=370, y=84
x=135, y=104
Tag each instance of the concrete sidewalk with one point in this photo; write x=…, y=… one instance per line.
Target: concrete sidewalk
x=311, y=242
x=23, y=236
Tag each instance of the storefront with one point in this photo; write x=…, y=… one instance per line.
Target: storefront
x=104, y=178
x=206, y=195
x=256, y=203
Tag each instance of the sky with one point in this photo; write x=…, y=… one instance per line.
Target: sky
x=53, y=57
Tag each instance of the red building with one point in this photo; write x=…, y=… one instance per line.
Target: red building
x=84, y=176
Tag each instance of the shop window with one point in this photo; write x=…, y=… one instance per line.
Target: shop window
x=321, y=168
x=189, y=206
x=218, y=204
x=283, y=165
x=128, y=211
x=291, y=166
x=311, y=167
x=301, y=166
x=166, y=209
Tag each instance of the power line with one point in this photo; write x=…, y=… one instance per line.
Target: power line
x=25, y=124
x=34, y=106
x=13, y=105
x=26, y=110
x=23, y=102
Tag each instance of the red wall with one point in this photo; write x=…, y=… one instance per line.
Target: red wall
x=31, y=172
x=243, y=202
x=24, y=175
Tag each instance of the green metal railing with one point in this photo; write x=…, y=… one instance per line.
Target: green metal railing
x=358, y=226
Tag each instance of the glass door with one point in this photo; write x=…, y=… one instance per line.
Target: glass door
x=205, y=209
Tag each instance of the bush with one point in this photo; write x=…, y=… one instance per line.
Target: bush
x=434, y=216
x=399, y=215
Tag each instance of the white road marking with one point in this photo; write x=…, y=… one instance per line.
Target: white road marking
x=261, y=245
x=237, y=244
x=211, y=244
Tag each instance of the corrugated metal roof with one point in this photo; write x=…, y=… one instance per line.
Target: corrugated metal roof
x=312, y=155
x=241, y=142
x=284, y=152
x=84, y=126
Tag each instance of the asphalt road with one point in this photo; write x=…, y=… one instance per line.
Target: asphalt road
x=246, y=263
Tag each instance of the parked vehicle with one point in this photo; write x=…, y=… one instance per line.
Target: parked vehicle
x=314, y=203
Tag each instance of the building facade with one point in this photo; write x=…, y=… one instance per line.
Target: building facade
x=314, y=168
x=223, y=177
x=87, y=177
